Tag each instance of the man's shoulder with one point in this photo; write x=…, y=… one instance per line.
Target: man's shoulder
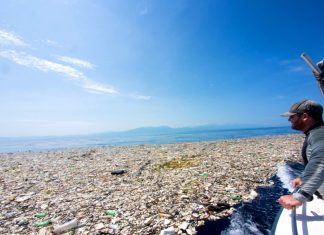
x=317, y=133
x=319, y=129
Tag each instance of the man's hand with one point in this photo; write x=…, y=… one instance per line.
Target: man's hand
x=296, y=182
x=289, y=202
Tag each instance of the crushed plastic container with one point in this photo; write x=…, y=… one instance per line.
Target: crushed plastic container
x=168, y=231
x=63, y=228
x=113, y=226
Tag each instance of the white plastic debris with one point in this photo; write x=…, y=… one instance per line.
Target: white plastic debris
x=253, y=194
x=168, y=231
x=148, y=221
x=184, y=226
x=113, y=226
x=99, y=226
x=167, y=222
x=65, y=227
x=23, y=198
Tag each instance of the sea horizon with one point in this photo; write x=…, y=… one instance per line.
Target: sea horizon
x=146, y=135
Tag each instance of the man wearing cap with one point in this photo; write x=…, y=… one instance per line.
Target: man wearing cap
x=306, y=116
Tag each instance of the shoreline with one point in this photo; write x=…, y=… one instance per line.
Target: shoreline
x=164, y=185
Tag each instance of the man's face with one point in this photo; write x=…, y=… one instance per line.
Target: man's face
x=296, y=122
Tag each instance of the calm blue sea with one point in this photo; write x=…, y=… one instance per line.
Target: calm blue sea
x=151, y=136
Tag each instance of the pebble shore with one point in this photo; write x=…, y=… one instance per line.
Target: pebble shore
x=140, y=189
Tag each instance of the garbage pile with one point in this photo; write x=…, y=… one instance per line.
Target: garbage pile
x=143, y=189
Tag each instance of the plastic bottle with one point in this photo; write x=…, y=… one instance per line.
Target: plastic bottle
x=65, y=227
x=110, y=213
x=41, y=215
x=204, y=174
x=42, y=223
x=236, y=198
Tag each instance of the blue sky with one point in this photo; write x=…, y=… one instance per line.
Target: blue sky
x=77, y=67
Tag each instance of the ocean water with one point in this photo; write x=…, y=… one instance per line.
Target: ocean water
x=152, y=136
x=257, y=216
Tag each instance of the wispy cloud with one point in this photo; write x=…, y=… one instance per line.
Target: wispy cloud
x=94, y=87
x=8, y=38
x=76, y=62
x=27, y=60
x=296, y=68
x=288, y=62
x=278, y=97
x=48, y=42
x=22, y=58
x=51, y=42
x=140, y=97
x=294, y=65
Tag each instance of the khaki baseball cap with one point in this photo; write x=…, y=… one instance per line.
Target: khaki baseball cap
x=310, y=107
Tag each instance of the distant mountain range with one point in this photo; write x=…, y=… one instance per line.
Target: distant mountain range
x=167, y=129
x=160, y=130
x=143, y=135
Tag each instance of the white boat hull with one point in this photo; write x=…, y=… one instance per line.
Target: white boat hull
x=309, y=219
